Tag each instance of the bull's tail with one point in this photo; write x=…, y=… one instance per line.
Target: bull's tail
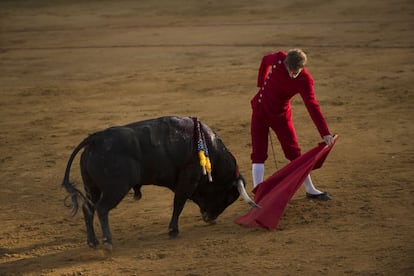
x=75, y=194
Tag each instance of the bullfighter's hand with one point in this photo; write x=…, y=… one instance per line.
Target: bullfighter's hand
x=328, y=139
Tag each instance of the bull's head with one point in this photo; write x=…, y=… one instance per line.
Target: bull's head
x=214, y=198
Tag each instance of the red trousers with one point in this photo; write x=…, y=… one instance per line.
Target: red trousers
x=283, y=127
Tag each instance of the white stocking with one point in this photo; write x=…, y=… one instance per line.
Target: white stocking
x=257, y=173
x=309, y=186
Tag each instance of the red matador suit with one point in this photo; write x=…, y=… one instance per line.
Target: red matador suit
x=271, y=107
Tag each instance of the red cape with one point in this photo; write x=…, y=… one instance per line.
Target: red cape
x=274, y=193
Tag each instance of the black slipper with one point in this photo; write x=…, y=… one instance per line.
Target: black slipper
x=322, y=196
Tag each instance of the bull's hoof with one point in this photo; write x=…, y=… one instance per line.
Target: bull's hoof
x=173, y=233
x=107, y=247
x=93, y=244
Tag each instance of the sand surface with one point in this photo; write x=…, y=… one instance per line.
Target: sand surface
x=70, y=68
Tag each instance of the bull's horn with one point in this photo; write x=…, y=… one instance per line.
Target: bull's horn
x=242, y=191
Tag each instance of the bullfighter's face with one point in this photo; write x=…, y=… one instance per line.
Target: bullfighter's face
x=294, y=73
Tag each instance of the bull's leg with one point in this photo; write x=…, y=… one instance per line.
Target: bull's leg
x=108, y=201
x=103, y=213
x=88, y=214
x=179, y=202
x=93, y=194
x=186, y=183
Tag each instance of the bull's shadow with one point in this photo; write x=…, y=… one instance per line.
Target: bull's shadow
x=37, y=264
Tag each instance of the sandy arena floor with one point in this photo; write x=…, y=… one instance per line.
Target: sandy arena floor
x=69, y=68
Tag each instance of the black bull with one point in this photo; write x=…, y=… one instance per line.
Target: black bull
x=162, y=152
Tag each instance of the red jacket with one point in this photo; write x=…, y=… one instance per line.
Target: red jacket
x=277, y=89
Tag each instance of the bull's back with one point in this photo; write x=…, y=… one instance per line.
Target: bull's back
x=166, y=148
x=145, y=152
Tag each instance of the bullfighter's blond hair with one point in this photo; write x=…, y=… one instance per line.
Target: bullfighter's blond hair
x=295, y=59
